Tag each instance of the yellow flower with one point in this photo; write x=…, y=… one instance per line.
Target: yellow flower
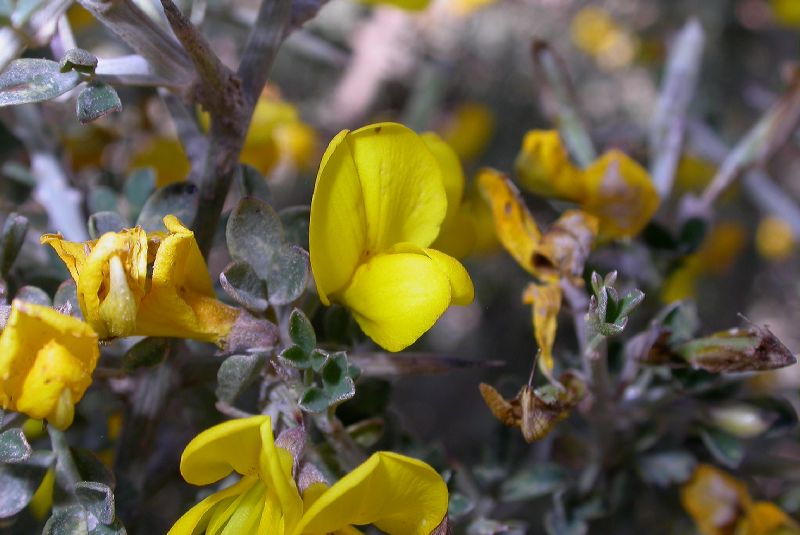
x=133, y=283
x=469, y=129
x=787, y=12
x=397, y=494
x=408, y=5
x=721, y=505
x=378, y=204
x=595, y=32
x=614, y=188
x=167, y=158
x=46, y=362
x=774, y=238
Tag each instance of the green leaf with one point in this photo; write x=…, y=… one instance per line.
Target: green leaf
x=459, y=506
x=318, y=358
x=181, y=199
x=33, y=294
x=314, y=400
x=102, y=222
x=666, y=468
x=97, y=499
x=91, y=468
x=102, y=199
x=295, y=356
x=34, y=80
x=78, y=59
x=536, y=481
x=145, y=353
x=138, y=187
x=336, y=382
x=367, y=432
x=13, y=237
x=726, y=449
x=241, y=283
x=236, y=374
x=19, y=481
x=301, y=331
x=69, y=520
x=252, y=183
x=255, y=236
x=295, y=220
x=97, y=100
x=14, y=447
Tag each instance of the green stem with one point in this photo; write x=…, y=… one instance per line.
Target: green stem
x=67, y=473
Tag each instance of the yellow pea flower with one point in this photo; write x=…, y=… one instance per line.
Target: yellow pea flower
x=614, y=188
x=46, y=362
x=378, y=204
x=167, y=158
x=774, y=238
x=470, y=128
x=595, y=32
x=786, y=12
x=397, y=494
x=720, y=504
x=147, y=284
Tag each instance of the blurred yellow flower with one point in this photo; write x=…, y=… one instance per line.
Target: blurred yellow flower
x=378, y=204
x=132, y=283
x=594, y=31
x=166, y=157
x=469, y=130
x=715, y=256
x=786, y=12
x=397, y=494
x=774, y=238
x=46, y=362
x=614, y=188
x=408, y=5
x=720, y=504
x=42, y=500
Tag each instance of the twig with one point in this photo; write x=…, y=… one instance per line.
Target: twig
x=669, y=119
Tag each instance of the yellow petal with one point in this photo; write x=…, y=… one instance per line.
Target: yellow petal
x=714, y=500
x=469, y=130
x=46, y=362
x=395, y=298
x=219, y=450
x=513, y=223
x=408, y=5
x=42, y=500
x=166, y=157
x=376, y=187
x=396, y=493
x=621, y=194
x=276, y=471
x=452, y=174
x=338, y=227
x=775, y=238
x=73, y=254
x=462, y=291
x=765, y=518
x=546, y=302
x=196, y=519
x=543, y=167
x=181, y=300
x=459, y=238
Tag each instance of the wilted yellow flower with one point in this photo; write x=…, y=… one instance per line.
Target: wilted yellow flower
x=378, y=204
x=720, y=504
x=469, y=130
x=46, y=362
x=398, y=494
x=774, y=238
x=147, y=284
x=614, y=188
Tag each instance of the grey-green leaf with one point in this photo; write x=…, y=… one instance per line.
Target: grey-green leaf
x=295, y=356
x=314, y=400
x=181, y=199
x=78, y=59
x=34, y=80
x=14, y=447
x=252, y=183
x=13, y=237
x=666, y=468
x=139, y=185
x=301, y=331
x=533, y=482
x=97, y=100
x=236, y=374
x=102, y=222
x=97, y=499
x=19, y=481
x=69, y=520
x=33, y=294
x=241, y=283
x=725, y=448
x=145, y=353
x=295, y=221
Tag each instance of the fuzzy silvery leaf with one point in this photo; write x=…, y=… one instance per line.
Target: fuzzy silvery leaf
x=69, y=520
x=181, y=199
x=34, y=80
x=296, y=357
x=97, y=499
x=301, y=331
x=102, y=222
x=33, y=294
x=97, y=100
x=295, y=220
x=14, y=447
x=533, y=482
x=726, y=449
x=666, y=468
x=138, y=187
x=236, y=374
x=255, y=236
x=19, y=481
x=245, y=287
x=91, y=468
x=13, y=237
x=314, y=399
x=252, y=183
x=78, y=59
x=66, y=299
x=145, y=353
